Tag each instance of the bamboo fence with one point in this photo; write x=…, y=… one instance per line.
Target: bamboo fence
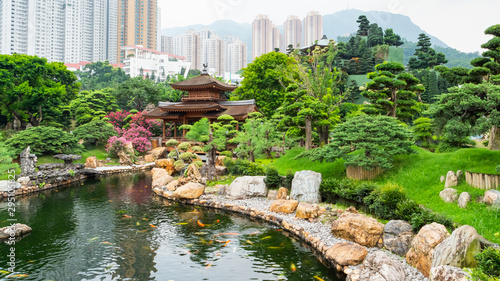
x=482, y=181
x=360, y=173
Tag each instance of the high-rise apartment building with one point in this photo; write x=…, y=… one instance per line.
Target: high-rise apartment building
x=236, y=56
x=189, y=45
x=262, y=36
x=293, y=32
x=137, y=24
x=214, y=54
x=313, y=28
x=167, y=44
x=60, y=30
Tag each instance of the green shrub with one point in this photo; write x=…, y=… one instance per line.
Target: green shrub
x=95, y=132
x=179, y=165
x=418, y=216
x=288, y=179
x=199, y=164
x=498, y=169
x=197, y=148
x=332, y=189
x=226, y=153
x=184, y=146
x=273, y=178
x=488, y=265
x=486, y=142
x=44, y=140
x=243, y=167
x=188, y=156
x=171, y=143
x=383, y=202
x=173, y=154
x=6, y=155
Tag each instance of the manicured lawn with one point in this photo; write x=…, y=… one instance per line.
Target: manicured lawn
x=419, y=174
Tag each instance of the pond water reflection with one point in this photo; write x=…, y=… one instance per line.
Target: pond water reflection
x=113, y=228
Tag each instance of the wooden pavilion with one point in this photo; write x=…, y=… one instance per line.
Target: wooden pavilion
x=205, y=98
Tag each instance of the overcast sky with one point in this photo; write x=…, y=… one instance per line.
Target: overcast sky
x=449, y=20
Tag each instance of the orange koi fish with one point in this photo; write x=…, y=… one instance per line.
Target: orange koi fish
x=127, y=216
x=293, y=267
x=200, y=224
x=254, y=233
x=107, y=243
x=227, y=242
x=152, y=225
x=209, y=265
x=18, y=276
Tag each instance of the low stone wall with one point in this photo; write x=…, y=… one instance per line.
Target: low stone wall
x=482, y=181
x=82, y=174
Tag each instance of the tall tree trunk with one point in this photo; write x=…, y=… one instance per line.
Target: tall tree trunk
x=212, y=155
x=308, y=133
x=494, y=141
x=251, y=156
x=323, y=132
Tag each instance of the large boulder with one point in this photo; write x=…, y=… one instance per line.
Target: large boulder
x=190, y=190
x=157, y=153
x=397, y=237
x=346, y=253
x=219, y=161
x=459, y=249
x=246, y=187
x=282, y=193
x=448, y=273
x=464, y=199
x=451, y=179
x=220, y=170
x=91, y=162
x=160, y=177
x=307, y=211
x=492, y=197
x=149, y=158
x=126, y=154
x=193, y=174
x=284, y=206
x=305, y=187
x=272, y=195
x=173, y=185
x=14, y=230
x=378, y=266
x=449, y=195
x=167, y=164
x=358, y=228
x=23, y=180
x=423, y=245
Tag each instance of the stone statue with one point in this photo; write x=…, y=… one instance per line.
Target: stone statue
x=28, y=162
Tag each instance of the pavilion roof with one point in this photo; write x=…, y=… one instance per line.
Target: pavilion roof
x=202, y=81
x=212, y=110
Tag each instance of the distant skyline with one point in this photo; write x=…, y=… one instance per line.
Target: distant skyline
x=449, y=20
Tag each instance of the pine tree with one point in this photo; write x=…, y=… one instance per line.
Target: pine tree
x=375, y=35
x=364, y=25
x=392, y=91
x=392, y=39
x=425, y=55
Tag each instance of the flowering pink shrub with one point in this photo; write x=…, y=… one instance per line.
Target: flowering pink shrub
x=138, y=135
x=154, y=126
x=117, y=118
x=114, y=145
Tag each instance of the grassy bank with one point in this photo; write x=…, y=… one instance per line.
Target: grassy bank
x=419, y=174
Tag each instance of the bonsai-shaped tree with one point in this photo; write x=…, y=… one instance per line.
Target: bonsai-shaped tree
x=392, y=91
x=182, y=153
x=215, y=137
x=365, y=141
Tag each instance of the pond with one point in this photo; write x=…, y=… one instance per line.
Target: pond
x=114, y=228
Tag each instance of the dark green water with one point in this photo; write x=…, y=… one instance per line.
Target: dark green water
x=101, y=230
